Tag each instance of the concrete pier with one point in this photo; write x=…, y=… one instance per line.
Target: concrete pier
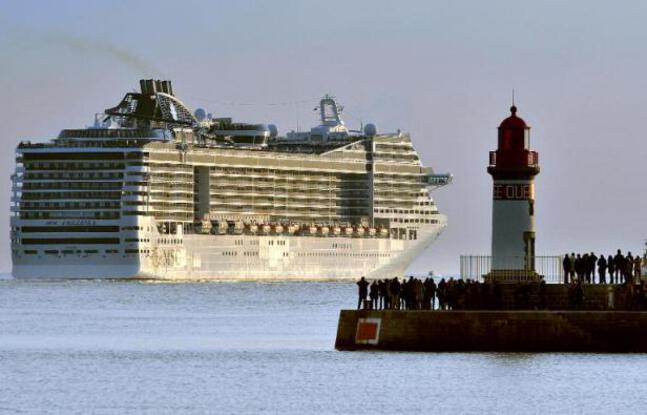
x=505, y=330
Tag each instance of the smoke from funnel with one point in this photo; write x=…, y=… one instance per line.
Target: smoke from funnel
x=101, y=47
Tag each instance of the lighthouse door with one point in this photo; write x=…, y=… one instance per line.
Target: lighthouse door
x=529, y=248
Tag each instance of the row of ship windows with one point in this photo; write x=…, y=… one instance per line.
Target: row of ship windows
x=72, y=185
x=59, y=205
x=240, y=242
x=312, y=254
x=342, y=246
x=162, y=241
x=400, y=220
x=72, y=176
x=70, y=195
x=405, y=211
x=267, y=171
x=70, y=215
x=351, y=254
x=85, y=251
x=73, y=166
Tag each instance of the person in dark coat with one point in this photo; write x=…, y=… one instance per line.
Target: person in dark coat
x=611, y=265
x=572, y=272
x=442, y=294
x=382, y=294
x=566, y=266
x=373, y=294
x=593, y=260
x=362, y=285
x=602, y=269
x=432, y=292
x=629, y=268
x=395, y=293
x=619, y=262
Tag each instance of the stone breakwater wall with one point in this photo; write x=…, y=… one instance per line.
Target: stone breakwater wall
x=504, y=330
x=556, y=297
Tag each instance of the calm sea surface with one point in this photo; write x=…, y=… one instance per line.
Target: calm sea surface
x=236, y=348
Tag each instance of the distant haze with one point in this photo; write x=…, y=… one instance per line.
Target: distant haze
x=442, y=70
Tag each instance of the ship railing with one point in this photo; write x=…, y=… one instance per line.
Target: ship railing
x=475, y=267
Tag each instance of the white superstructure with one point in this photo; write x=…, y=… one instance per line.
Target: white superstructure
x=154, y=191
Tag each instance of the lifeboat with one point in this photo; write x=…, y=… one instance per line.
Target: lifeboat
x=372, y=231
x=292, y=229
x=336, y=230
x=384, y=232
x=278, y=229
x=312, y=230
x=324, y=230
x=220, y=228
x=348, y=230
x=359, y=231
x=253, y=228
x=266, y=228
x=238, y=228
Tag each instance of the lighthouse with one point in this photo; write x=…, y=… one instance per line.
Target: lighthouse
x=513, y=166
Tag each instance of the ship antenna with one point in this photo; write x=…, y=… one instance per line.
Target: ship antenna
x=513, y=97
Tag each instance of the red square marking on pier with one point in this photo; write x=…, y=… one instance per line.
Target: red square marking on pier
x=368, y=330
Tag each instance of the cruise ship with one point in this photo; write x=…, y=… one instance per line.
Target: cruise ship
x=153, y=190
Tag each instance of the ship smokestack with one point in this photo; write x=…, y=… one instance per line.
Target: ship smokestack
x=152, y=86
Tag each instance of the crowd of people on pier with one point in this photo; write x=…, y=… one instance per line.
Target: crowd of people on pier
x=627, y=289
x=611, y=269
x=451, y=294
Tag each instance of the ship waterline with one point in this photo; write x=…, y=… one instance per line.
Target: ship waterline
x=239, y=257
x=152, y=191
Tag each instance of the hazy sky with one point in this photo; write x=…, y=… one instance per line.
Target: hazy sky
x=442, y=70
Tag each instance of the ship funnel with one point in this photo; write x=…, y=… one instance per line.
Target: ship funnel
x=153, y=86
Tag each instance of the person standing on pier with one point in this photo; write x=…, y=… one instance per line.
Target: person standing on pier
x=629, y=268
x=612, y=269
x=566, y=266
x=572, y=271
x=430, y=291
x=395, y=293
x=593, y=259
x=619, y=262
x=373, y=294
x=362, y=285
x=381, y=289
x=441, y=294
x=602, y=269
x=579, y=267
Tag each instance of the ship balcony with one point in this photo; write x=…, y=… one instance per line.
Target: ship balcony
x=129, y=188
x=133, y=198
x=135, y=208
x=137, y=169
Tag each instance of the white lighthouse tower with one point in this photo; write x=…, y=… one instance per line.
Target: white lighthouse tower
x=513, y=167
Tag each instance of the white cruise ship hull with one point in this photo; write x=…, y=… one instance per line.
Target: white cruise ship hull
x=237, y=257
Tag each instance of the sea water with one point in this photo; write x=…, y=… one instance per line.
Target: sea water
x=107, y=347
